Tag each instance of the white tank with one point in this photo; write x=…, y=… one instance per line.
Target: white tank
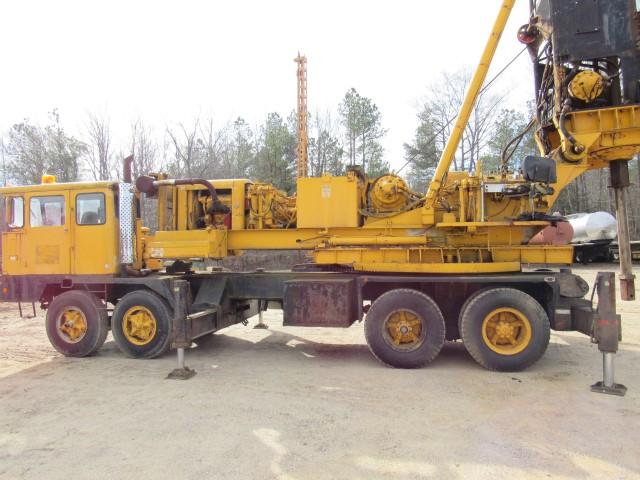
x=591, y=227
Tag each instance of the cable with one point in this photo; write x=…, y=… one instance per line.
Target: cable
x=484, y=89
x=504, y=158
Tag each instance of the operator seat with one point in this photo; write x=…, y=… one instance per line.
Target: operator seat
x=90, y=218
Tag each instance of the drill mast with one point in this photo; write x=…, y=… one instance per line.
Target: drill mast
x=303, y=135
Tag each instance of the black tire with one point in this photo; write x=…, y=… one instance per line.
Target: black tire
x=529, y=341
x=464, y=306
x=136, y=344
x=416, y=353
x=77, y=323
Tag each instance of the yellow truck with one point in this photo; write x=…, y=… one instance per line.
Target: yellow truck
x=454, y=263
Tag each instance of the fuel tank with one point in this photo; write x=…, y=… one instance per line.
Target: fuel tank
x=592, y=227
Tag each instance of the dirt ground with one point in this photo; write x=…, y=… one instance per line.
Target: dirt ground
x=307, y=403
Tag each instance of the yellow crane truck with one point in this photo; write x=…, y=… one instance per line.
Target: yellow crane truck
x=419, y=269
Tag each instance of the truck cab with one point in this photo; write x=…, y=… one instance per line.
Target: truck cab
x=54, y=229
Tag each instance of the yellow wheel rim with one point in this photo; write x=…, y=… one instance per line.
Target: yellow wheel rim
x=404, y=330
x=506, y=331
x=72, y=325
x=139, y=325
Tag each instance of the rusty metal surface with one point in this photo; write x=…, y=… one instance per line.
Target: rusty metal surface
x=607, y=322
x=324, y=303
x=607, y=333
x=181, y=336
x=582, y=317
x=628, y=288
x=572, y=286
x=619, y=183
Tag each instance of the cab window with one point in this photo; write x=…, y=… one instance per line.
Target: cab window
x=15, y=212
x=90, y=209
x=46, y=211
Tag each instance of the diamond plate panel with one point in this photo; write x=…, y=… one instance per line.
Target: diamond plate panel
x=127, y=225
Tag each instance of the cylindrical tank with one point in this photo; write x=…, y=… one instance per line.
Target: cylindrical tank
x=592, y=227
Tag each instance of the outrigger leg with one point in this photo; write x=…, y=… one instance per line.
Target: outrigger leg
x=262, y=306
x=180, y=337
x=606, y=333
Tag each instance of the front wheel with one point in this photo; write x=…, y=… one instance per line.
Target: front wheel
x=405, y=329
x=504, y=329
x=77, y=323
x=141, y=325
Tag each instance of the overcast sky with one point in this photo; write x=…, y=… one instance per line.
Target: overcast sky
x=170, y=61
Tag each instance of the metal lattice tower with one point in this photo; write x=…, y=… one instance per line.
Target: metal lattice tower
x=303, y=136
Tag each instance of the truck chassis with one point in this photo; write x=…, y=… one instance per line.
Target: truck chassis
x=190, y=305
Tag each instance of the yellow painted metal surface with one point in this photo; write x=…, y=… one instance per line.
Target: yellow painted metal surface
x=438, y=268
x=94, y=247
x=506, y=331
x=72, y=325
x=238, y=202
x=376, y=240
x=404, y=330
x=328, y=202
x=515, y=224
x=270, y=208
x=46, y=243
x=606, y=134
x=389, y=193
x=55, y=187
x=12, y=252
x=139, y=325
x=535, y=254
x=586, y=86
x=211, y=243
x=182, y=208
x=468, y=104
x=466, y=223
x=474, y=259
x=51, y=241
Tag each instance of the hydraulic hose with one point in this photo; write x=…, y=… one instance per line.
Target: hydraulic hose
x=149, y=185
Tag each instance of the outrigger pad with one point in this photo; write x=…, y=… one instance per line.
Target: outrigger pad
x=539, y=169
x=181, y=374
x=616, y=389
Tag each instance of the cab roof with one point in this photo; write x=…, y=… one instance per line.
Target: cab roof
x=56, y=187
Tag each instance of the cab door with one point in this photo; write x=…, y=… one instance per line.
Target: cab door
x=12, y=233
x=95, y=236
x=46, y=244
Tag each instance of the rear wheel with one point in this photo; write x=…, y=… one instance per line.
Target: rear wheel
x=504, y=329
x=77, y=323
x=405, y=329
x=141, y=325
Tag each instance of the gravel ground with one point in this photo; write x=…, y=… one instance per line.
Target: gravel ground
x=308, y=403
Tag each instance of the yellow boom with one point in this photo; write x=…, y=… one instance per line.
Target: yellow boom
x=469, y=103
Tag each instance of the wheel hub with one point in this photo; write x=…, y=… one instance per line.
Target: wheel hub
x=506, y=331
x=403, y=329
x=72, y=325
x=139, y=325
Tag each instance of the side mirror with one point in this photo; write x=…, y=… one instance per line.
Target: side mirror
x=539, y=169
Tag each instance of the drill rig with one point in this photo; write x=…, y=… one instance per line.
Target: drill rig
x=587, y=118
x=453, y=263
